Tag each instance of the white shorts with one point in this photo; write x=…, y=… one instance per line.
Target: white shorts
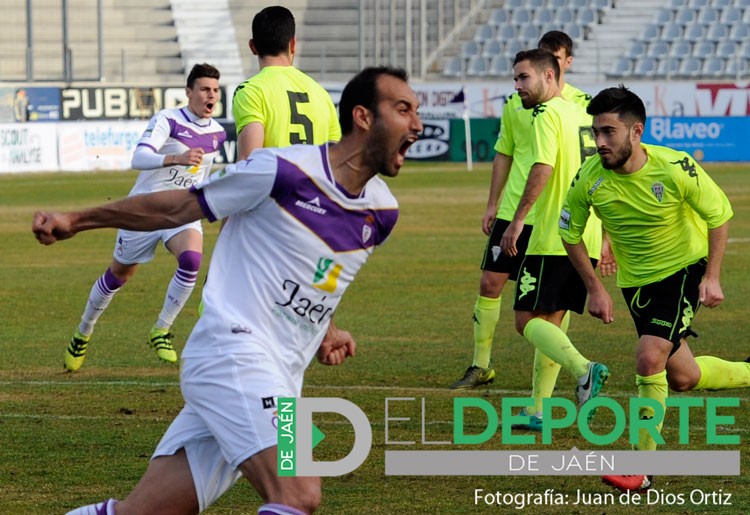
x=133, y=247
x=229, y=415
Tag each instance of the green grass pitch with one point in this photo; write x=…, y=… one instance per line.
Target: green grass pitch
x=70, y=439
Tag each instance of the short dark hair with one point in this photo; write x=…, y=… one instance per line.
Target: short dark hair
x=540, y=59
x=362, y=91
x=202, y=70
x=554, y=40
x=273, y=30
x=618, y=100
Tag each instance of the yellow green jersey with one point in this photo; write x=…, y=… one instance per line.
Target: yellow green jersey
x=657, y=218
x=514, y=141
x=292, y=107
x=562, y=139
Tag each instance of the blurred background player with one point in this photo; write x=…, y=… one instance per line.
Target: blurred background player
x=510, y=169
x=175, y=152
x=548, y=285
x=668, y=222
x=280, y=105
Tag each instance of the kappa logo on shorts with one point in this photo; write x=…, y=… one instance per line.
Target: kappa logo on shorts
x=526, y=283
x=687, y=315
x=268, y=402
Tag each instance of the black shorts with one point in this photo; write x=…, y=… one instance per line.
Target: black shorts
x=494, y=260
x=549, y=284
x=666, y=308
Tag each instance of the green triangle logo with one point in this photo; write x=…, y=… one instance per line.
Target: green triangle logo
x=317, y=436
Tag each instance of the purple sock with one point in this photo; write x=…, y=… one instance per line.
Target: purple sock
x=278, y=509
x=111, y=281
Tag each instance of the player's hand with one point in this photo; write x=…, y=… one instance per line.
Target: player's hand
x=488, y=220
x=336, y=346
x=601, y=306
x=192, y=157
x=607, y=264
x=50, y=227
x=710, y=293
x=510, y=237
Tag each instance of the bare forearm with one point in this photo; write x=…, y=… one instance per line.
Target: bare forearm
x=717, y=244
x=579, y=257
x=500, y=170
x=538, y=177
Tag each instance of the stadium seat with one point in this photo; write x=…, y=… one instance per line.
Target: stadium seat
x=690, y=67
x=501, y=66
x=685, y=16
x=513, y=46
x=515, y=4
x=470, y=49
x=637, y=49
x=587, y=16
x=742, y=3
x=650, y=33
x=498, y=17
x=484, y=33
x=521, y=15
x=477, y=66
x=556, y=4
x=492, y=48
x=671, y=32
x=680, y=48
x=744, y=50
x=601, y=5
x=529, y=32
x=544, y=15
x=622, y=67
x=730, y=14
x=668, y=67
x=507, y=32
x=575, y=31
x=721, y=4
x=565, y=15
x=534, y=4
x=713, y=67
x=697, y=4
x=454, y=67
x=726, y=48
x=704, y=49
x=677, y=4
x=695, y=32
x=664, y=15
x=738, y=68
x=657, y=49
x=716, y=32
x=578, y=4
x=708, y=15
x=739, y=32
x=645, y=67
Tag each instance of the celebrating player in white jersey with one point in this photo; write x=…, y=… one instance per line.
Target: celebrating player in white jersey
x=302, y=221
x=175, y=153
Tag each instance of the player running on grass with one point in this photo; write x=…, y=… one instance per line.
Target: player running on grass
x=668, y=222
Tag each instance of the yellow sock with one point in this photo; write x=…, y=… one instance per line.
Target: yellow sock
x=651, y=387
x=486, y=315
x=553, y=342
x=545, y=372
x=718, y=374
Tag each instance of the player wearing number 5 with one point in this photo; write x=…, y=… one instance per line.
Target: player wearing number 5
x=280, y=105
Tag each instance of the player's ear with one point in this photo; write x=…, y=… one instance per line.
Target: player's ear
x=362, y=117
x=252, y=46
x=292, y=45
x=637, y=131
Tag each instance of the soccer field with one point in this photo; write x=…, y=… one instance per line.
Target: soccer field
x=70, y=439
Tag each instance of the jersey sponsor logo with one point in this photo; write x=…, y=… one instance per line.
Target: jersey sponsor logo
x=526, y=283
x=687, y=166
x=180, y=180
x=564, y=219
x=309, y=310
x=312, y=205
x=657, y=189
x=327, y=275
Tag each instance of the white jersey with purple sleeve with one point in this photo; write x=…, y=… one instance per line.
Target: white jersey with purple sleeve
x=175, y=131
x=292, y=245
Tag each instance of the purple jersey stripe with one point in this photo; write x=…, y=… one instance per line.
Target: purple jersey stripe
x=147, y=145
x=208, y=142
x=204, y=205
x=342, y=229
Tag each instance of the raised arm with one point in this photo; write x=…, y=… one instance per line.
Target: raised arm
x=160, y=210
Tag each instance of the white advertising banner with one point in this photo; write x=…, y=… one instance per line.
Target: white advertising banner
x=28, y=147
x=86, y=146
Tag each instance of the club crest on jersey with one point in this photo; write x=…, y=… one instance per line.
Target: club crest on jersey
x=327, y=275
x=658, y=190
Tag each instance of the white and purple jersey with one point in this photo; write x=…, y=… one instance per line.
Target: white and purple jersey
x=292, y=245
x=175, y=131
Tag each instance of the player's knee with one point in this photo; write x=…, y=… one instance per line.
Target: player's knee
x=683, y=383
x=190, y=261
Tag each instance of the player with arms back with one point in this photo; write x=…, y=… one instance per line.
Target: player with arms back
x=280, y=105
x=176, y=151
